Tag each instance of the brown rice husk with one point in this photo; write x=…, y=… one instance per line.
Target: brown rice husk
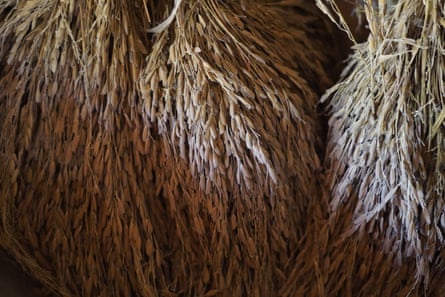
x=380, y=229
x=178, y=163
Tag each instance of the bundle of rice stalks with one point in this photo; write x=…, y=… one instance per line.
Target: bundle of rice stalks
x=384, y=232
x=186, y=174
x=70, y=192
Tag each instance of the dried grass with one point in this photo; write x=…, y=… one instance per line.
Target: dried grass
x=171, y=164
x=380, y=231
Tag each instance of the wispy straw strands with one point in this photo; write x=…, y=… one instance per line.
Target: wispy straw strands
x=384, y=232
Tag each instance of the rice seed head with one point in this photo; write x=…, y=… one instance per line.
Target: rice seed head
x=383, y=156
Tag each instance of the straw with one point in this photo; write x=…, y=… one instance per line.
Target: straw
x=380, y=230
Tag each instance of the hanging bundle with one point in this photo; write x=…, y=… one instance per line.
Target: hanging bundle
x=383, y=233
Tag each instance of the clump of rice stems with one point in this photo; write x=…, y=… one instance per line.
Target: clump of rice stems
x=76, y=175
x=385, y=142
x=232, y=88
x=384, y=232
x=178, y=163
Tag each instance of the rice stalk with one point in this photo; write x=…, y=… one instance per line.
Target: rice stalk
x=383, y=231
x=67, y=89
x=238, y=107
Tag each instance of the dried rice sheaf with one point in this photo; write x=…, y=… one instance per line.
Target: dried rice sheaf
x=177, y=163
x=384, y=233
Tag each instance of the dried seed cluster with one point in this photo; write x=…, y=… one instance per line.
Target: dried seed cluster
x=383, y=233
x=171, y=164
